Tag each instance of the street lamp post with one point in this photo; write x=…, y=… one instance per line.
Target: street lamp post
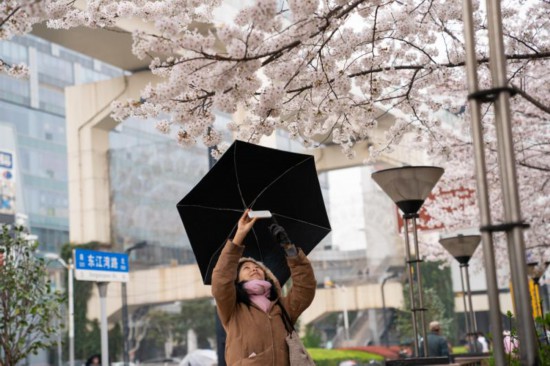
x=70, y=291
x=499, y=96
x=125, y=329
x=462, y=248
x=409, y=187
x=386, y=338
x=344, y=311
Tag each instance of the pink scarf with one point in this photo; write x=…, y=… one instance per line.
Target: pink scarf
x=258, y=290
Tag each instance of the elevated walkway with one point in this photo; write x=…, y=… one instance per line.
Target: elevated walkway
x=166, y=285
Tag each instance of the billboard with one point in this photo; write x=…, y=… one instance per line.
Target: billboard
x=7, y=187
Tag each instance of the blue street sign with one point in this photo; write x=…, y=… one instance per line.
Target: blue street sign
x=92, y=265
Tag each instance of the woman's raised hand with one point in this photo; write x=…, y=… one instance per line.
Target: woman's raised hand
x=244, y=225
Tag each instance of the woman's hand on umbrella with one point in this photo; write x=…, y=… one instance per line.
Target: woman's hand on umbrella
x=244, y=225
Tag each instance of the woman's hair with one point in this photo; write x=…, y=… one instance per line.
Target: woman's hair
x=90, y=360
x=242, y=295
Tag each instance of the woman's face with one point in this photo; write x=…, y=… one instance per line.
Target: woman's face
x=251, y=271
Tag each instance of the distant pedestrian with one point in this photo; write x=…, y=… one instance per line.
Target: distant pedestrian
x=437, y=344
x=473, y=344
x=94, y=360
x=483, y=341
x=510, y=343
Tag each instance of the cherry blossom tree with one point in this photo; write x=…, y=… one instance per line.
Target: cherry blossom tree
x=327, y=70
x=17, y=18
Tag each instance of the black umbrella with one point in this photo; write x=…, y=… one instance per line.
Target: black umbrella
x=259, y=178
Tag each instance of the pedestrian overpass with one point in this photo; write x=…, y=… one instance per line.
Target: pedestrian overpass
x=165, y=285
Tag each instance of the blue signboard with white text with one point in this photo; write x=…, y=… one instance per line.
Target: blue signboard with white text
x=92, y=265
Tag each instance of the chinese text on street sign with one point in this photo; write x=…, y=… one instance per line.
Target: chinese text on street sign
x=91, y=265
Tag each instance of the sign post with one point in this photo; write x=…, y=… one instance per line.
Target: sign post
x=102, y=268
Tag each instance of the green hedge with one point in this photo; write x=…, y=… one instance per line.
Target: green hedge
x=332, y=357
x=459, y=350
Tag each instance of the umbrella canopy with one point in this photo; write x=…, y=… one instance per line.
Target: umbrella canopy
x=259, y=178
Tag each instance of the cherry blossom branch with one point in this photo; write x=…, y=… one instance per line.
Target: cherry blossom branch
x=532, y=100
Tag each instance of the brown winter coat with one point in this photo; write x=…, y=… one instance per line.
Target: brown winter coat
x=253, y=336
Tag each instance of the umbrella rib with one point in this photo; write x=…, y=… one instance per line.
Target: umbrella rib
x=279, y=177
x=214, y=208
x=237, y=177
x=258, y=245
x=302, y=221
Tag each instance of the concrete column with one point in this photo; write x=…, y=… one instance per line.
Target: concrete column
x=88, y=109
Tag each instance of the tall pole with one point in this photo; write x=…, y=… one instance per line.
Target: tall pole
x=472, y=313
x=481, y=183
x=466, y=317
x=386, y=337
x=411, y=286
x=510, y=195
x=70, y=292
x=420, y=287
x=102, y=287
x=70, y=268
x=124, y=294
x=125, y=328
x=59, y=348
x=513, y=225
x=345, y=311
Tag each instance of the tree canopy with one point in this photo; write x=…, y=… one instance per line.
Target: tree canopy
x=328, y=71
x=28, y=304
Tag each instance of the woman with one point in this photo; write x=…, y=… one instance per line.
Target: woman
x=249, y=299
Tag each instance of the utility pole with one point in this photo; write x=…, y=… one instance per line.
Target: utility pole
x=124, y=293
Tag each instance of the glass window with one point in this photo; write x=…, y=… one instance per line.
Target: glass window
x=51, y=99
x=44, y=126
x=54, y=71
x=50, y=240
x=47, y=164
x=14, y=90
x=13, y=53
x=46, y=203
x=15, y=115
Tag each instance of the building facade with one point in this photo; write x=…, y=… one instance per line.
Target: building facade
x=32, y=118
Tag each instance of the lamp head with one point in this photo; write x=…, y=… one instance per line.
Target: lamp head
x=408, y=186
x=461, y=247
